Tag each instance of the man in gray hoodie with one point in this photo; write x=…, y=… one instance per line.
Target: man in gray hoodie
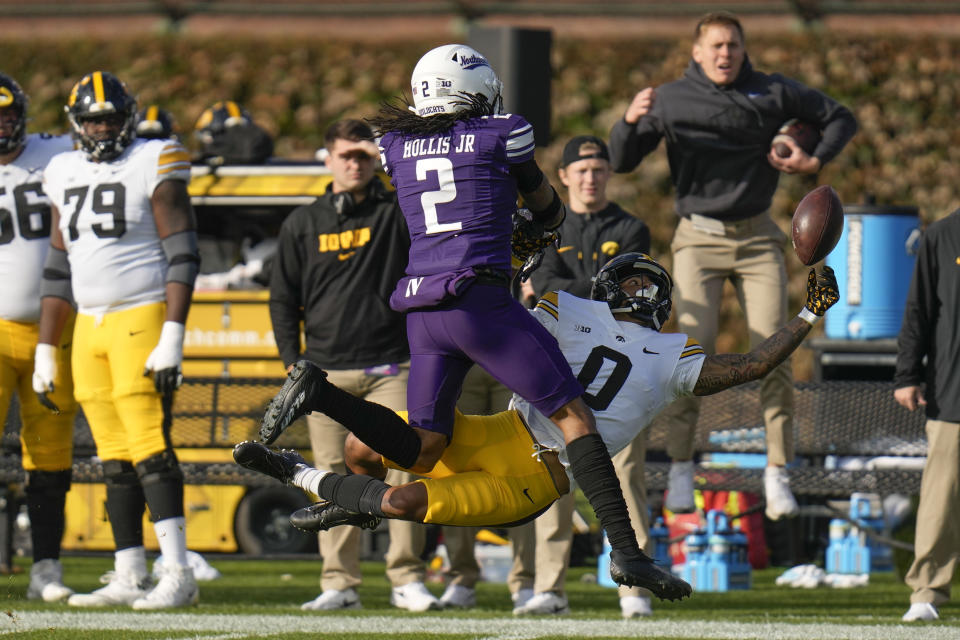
x=719, y=120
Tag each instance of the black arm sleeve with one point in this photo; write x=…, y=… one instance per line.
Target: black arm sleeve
x=527, y=175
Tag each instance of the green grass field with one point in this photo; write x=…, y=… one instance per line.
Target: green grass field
x=257, y=598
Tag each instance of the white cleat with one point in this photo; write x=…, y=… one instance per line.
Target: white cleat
x=123, y=588
x=46, y=582
x=680, y=498
x=333, y=600
x=521, y=597
x=414, y=596
x=177, y=588
x=921, y=612
x=459, y=596
x=635, y=607
x=776, y=489
x=546, y=603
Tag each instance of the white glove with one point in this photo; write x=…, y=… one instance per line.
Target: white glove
x=166, y=358
x=44, y=373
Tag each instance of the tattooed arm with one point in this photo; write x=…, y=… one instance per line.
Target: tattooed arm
x=726, y=370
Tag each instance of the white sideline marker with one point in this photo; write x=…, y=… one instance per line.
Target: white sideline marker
x=230, y=627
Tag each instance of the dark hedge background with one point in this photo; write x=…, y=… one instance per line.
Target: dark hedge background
x=903, y=90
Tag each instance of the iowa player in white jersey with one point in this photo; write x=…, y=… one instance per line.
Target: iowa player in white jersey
x=46, y=439
x=487, y=476
x=124, y=248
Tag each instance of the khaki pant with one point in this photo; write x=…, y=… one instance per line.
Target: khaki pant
x=340, y=547
x=750, y=255
x=937, y=541
x=482, y=395
x=541, y=549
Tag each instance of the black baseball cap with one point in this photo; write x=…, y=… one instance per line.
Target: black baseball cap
x=584, y=147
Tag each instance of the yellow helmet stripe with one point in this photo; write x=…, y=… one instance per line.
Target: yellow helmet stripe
x=233, y=109
x=98, y=92
x=152, y=112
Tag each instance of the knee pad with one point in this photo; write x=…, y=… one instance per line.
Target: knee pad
x=162, y=481
x=119, y=474
x=125, y=503
x=160, y=468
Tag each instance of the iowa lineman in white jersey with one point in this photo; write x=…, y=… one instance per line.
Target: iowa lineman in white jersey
x=124, y=247
x=486, y=476
x=46, y=439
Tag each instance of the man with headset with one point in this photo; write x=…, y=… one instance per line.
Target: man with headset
x=338, y=259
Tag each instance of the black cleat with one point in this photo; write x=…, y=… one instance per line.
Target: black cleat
x=296, y=398
x=324, y=515
x=281, y=465
x=641, y=571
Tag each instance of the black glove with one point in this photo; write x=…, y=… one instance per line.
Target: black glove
x=822, y=291
x=528, y=242
x=167, y=380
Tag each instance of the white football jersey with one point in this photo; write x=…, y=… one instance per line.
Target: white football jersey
x=630, y=372
x=25, y=226
x=107, y=223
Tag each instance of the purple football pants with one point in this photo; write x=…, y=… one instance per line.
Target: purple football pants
x=487, y=326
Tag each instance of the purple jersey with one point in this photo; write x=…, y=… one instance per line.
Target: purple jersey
x=456, y=191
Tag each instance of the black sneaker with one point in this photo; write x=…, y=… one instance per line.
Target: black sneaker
x=641, y=571
x=281, y=465
x=324, y=515
x=296, y=398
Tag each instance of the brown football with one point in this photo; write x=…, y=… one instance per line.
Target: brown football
x=817, y=224
x=806, y=135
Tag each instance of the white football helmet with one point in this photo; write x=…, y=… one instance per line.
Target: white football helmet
x=444, y=76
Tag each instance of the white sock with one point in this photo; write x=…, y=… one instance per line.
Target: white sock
x=172, y=536
x=133, y=559
x=308, y=478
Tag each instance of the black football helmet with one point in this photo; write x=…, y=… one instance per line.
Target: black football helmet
x=651, y=305
x=12, y=96
x=98, y=94
x=217, y=119
x=154, y=122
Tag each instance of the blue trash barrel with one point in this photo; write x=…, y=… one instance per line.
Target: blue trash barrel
x=874, y=264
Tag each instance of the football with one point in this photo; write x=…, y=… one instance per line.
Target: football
x=806, y=135
x=817, y=224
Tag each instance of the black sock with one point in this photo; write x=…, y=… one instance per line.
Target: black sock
x=593, y=471
x=375, y=425
x=358, y=493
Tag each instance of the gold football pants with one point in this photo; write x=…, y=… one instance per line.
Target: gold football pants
x=46, y=438
x=121, y=404
x=491, y=474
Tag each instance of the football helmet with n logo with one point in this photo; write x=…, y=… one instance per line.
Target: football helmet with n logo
x=451, y=78
x=101, y=96
x=14, y=102
x=651, y=304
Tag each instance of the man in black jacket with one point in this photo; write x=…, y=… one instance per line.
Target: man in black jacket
x=929, y=330
x=338, y=259
x=719, y=120
x=601, y=230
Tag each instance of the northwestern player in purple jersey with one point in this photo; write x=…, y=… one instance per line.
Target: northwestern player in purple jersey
x=458, y=164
